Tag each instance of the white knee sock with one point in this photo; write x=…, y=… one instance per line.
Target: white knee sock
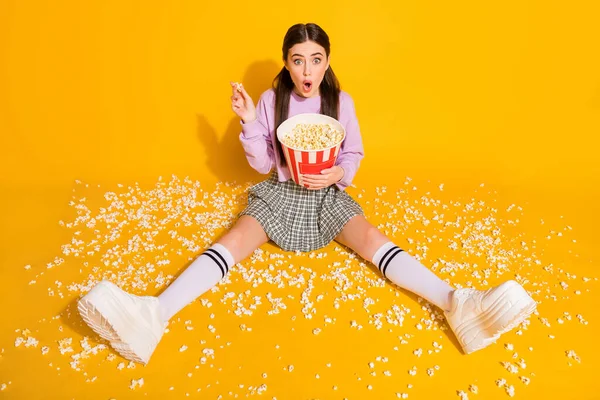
x=205, y=272
x=408, y=273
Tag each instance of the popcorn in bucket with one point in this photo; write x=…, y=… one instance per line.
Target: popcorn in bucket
x=311, y=143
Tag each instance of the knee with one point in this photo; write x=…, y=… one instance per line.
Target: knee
x=232, y=239
x=374, y=239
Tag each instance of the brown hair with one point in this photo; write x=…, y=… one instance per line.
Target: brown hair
x=283, y=84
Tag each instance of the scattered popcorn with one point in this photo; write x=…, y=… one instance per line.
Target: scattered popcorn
x=137, y=217
x=64, y=345
x=138, y=383
x=510, y=367
x=573, y=355
x=510, y=390
x=261, y=389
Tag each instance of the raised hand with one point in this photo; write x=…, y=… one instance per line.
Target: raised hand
x=241, y=103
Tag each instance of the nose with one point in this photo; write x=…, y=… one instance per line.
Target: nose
x=306, y=70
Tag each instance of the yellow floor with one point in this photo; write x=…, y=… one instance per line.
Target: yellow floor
x=455, y=93
x=294, y=326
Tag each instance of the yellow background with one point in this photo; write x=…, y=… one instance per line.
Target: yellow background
x=456, y=93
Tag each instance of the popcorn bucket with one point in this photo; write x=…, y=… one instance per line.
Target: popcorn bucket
x=310, y=162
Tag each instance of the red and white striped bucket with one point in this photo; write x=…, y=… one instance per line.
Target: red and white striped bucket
x=310, y=162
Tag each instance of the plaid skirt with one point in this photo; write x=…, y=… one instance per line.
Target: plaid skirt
x=298, y=219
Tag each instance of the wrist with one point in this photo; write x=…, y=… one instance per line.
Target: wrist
x=249, y=119
x=342, y=173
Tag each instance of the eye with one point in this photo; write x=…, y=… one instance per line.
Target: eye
x=297, y=60
x=317, y=61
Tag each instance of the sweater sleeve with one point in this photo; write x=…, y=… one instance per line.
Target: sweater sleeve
x=351, y=152
x=256, y=138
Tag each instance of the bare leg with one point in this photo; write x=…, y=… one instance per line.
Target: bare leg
x=477, y=318
x=362, y=237
x=212, y=265
x=135, y=324
x=246, y=236
x=394, y=263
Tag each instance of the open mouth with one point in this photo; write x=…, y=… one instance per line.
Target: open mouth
x=307, y=86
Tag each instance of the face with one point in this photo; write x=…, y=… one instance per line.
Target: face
x=307, y=64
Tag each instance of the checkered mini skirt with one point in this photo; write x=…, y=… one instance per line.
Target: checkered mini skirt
x=298, y=219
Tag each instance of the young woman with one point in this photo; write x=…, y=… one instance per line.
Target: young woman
x=296, y=217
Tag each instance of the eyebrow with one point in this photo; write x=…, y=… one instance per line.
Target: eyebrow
x=312, y=55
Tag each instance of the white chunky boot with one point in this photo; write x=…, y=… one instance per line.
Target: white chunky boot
x=478, y=318
x=132, y=324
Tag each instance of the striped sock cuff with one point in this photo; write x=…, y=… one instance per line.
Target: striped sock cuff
x=221, y=256
x=386, y=253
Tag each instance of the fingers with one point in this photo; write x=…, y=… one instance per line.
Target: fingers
x=237, y=101
x=236, y=93
x=236, y=87
x=314, y=187
x=315, y=178
x=316, y=182
x=238, y=90
x=244, y=93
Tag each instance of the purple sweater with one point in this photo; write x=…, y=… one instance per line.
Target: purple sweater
x=258, y=136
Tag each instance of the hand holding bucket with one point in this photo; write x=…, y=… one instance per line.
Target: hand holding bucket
x=310, y=162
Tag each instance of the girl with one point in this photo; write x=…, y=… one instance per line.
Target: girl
x=302, y=218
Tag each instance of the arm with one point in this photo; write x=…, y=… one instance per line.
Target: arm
x=351, y=152
x=256, y=140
